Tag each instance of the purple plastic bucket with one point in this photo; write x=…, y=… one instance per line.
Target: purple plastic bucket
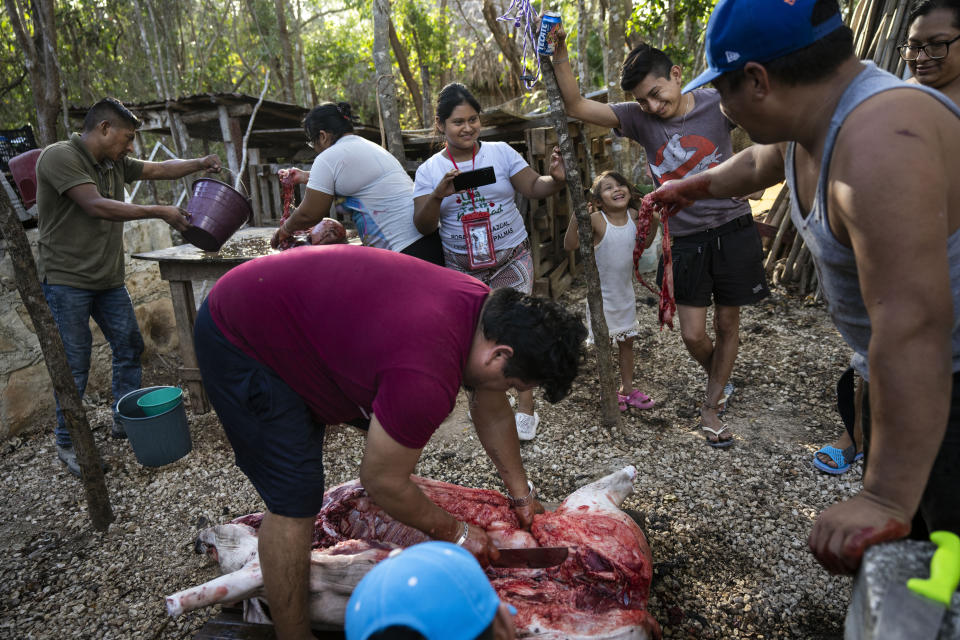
x=217, y=211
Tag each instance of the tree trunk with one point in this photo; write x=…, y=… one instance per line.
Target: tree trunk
x=161, y=55
x=148, y=46
x=428, y=113
x=609, y=412
x=404, y=64
x=386, y=89
x=602, y=20
x=583, y=36
x=309, y=91
x=507, y=45
x=25, y=275
x=40, y=59
x=287, y=79
x=613, y=55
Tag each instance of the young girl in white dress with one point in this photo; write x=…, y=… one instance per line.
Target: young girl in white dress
x=614, y=236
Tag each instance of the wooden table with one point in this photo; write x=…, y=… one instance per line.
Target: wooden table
x=180, y=266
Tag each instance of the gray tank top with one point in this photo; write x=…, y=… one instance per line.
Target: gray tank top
x=835, y=263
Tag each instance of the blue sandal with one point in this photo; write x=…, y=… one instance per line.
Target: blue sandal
x=839, y=457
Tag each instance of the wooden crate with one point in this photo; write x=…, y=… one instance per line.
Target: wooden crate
x=547, y=219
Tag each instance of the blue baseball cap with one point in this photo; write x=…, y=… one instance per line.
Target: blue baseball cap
x=742, y=31
x=435, y=588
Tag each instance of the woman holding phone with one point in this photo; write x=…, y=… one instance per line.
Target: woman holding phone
x=481, y=229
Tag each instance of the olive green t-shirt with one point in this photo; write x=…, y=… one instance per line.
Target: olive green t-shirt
x=75, y=248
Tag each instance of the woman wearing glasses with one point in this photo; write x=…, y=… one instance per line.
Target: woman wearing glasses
x=932, y=50
x=378, y=192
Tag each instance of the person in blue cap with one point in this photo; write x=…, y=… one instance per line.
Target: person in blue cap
x=871, y=164
x=430, y=591
x=717, y=254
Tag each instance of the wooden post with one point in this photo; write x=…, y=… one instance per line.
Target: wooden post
x=230, y=130
x=253, y=159
x=609, y=412
x=28, y=284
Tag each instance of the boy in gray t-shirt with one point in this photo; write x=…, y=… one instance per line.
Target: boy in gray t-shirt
x=717, y=256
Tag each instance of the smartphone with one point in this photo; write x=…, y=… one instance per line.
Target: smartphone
x=473, y=179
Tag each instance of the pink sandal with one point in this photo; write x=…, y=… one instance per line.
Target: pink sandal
x=636, y=399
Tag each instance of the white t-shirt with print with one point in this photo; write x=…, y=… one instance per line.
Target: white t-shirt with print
x=497, y=198
x=378, y=191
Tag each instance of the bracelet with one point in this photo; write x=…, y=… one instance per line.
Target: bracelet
x=559, y=60
x=463, y=535
x=522, y=502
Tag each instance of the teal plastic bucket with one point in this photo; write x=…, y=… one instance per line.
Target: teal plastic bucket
x=156, y=440
x=160, y=400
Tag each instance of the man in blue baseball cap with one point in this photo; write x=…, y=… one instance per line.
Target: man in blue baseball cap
x=430, y=591
x=870, y=163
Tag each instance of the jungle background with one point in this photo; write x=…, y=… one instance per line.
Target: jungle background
x=55, y=54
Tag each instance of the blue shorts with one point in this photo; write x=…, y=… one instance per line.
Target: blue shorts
x=274, y=437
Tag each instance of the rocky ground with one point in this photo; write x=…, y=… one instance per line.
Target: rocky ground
x=727, y=528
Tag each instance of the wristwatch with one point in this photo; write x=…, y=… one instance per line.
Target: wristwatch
x=525, y=500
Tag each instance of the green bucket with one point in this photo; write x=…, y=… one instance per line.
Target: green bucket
x=159, y=439
x=160, y=400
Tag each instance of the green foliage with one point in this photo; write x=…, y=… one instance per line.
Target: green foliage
x=213, y=46
x=340, y=63
x=16, y=103
x=650, y=22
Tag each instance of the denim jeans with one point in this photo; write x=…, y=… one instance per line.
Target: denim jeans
x=112, y=310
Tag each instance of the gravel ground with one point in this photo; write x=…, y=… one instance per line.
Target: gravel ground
x=727, y=528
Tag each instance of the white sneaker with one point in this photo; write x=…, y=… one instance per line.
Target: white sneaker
x=527, y=425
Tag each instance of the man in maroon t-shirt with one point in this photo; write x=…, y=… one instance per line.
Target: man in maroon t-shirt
x=290, y=342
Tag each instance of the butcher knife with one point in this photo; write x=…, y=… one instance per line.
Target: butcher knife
x=531, y=558
x=915, y=610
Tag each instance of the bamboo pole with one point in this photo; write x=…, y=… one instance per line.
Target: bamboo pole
x=865, y=29
x=778, y=209
x=785, y=225
x=856, y=22
x=791, y=262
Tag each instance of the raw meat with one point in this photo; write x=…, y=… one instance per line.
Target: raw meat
x=599, y=592
x=287, y=186
x=328, y=231
x=668, y=306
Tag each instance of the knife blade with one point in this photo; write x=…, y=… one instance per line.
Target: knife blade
x=531, y=558
x=915, y=610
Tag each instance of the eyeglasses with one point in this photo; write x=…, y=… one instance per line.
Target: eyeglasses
x=934, y=50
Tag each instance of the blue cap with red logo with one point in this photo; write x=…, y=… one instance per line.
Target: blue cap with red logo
x=742, y=31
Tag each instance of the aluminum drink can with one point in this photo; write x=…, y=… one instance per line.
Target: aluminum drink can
x=549, y=28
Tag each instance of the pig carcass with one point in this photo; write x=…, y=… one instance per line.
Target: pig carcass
x=599, y=592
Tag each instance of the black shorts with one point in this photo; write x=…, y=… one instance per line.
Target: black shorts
x=722, y=266
x=274, y=437
x=940, y=503
x=428, y=248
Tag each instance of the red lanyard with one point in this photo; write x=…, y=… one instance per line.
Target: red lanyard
x=473, y=161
